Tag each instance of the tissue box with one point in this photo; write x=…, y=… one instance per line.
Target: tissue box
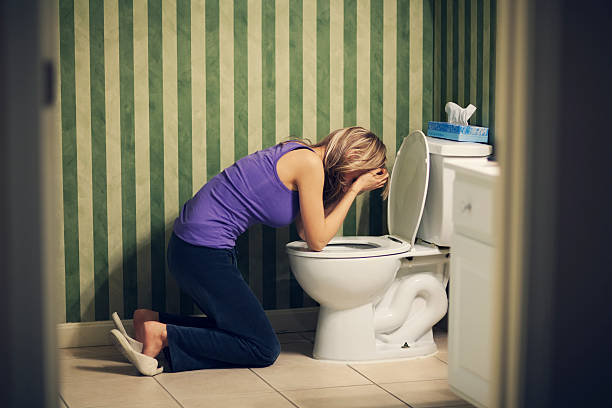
x=460, y=133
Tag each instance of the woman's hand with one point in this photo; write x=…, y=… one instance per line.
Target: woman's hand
x=370, y=180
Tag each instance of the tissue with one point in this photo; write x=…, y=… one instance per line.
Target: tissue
x=457, y=127
x=458, y=115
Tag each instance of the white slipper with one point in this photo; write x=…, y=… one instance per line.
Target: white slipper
x=135, y=344
x=144, y=364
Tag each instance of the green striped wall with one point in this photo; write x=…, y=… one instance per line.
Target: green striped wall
x=159, y=96
x=464, y=58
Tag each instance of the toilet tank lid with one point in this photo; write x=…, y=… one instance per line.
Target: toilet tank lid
x=452, y=148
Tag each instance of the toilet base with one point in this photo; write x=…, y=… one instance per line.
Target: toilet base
x=386, y=351
x=389, y=357
x=347, y=336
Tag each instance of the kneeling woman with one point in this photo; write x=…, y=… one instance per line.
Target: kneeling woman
x=313, y=185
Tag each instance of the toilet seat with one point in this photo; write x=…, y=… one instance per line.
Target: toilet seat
x=352, y=247
x=364, y=247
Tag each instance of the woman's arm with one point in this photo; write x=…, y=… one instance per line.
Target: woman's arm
x=319, y=228
x=299, y=224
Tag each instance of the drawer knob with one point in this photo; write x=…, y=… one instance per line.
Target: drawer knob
x=467, y=208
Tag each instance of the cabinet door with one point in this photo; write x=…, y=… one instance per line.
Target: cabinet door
x=469, y=337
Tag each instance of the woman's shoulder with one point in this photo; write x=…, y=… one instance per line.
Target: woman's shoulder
x=295, y=143
x=303, y=158
x=305, y=162
x=296, y=148
x=297, y=164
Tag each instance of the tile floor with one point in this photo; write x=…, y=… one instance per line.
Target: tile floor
x=100, y=377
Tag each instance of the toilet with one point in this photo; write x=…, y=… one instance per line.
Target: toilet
x=380, y=296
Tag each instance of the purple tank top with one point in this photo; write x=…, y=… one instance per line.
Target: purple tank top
x=247, y=192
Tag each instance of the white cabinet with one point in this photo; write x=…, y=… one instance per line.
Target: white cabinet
x=472, y=243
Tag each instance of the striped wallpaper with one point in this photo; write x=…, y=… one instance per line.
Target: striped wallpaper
x=464, y=58
x=159, y=96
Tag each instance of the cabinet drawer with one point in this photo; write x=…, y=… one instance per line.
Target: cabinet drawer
x=473, y=208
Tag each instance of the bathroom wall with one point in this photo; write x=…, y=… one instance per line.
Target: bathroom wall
x=159, y=96
x=464, y=58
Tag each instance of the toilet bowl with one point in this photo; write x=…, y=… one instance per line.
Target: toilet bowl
x=380, y=296
x=367, y=311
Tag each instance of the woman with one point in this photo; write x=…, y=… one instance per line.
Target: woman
x=314, y=185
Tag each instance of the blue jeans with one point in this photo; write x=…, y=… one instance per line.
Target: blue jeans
x=236, y=331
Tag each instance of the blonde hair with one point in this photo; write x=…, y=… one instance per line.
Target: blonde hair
x=346, y=150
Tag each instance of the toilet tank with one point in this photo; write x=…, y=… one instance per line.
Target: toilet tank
x=437, y=222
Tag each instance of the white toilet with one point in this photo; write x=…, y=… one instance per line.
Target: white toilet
x=380, y=296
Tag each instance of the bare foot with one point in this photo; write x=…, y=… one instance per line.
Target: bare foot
x=140, y=317
x=155, y=338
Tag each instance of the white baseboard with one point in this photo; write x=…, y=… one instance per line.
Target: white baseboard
x=96, y=333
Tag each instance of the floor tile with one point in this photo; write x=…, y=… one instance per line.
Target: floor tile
x=121, y=391
x=257, y=400
x=362, y=396
x=296, y=369
x=187, y=385
x=308, y=376
x=441, y=339
x=76, y=370
x=100, y=352
x=100, y=376
x=419, y=369
x=442, y=356
x=425, y=394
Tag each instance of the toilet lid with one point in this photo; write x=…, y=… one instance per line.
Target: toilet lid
x=408, y=187
x=351, y=247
